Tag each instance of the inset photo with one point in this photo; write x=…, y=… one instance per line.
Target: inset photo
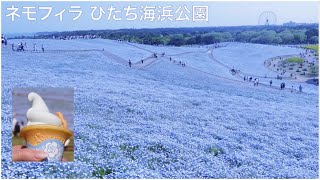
x=42, y=124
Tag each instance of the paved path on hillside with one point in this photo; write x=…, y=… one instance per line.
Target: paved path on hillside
x=115, y=58
x=131, y=44
x=238, y=80
x=147, y=62
x=241, y=73
x=188, y=52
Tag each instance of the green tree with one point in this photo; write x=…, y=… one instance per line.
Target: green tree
x=314, y=40
x=177, y=40
x=277, y=40
x=286, y=36
x=311, y=33
x=226, y=36
x=246, y=36
x=213, y=37
x=267, y=37
x=299, y=37
x=191, y=40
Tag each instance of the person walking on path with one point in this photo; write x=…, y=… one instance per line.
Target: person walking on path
x=256, y=82
x=270, y=83
x=2, y=39
x=20, y=47
x=42, y=47
x=300, y=88
x=34, y=47
x=130, y=63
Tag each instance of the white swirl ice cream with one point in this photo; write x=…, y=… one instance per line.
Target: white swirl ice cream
x=39, y=112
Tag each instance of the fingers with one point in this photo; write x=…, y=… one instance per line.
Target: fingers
x=25, y=154
x=15, y=148
x=21, y=153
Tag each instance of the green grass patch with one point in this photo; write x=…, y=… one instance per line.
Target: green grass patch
x=128, y=150
x=313, y=47
x=295, y=60
x=158, y=148
x=101, y=172
x=129, y=110
x=153, y=162
x=215, y=151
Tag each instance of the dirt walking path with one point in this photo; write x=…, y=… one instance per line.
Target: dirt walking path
x=114, y=57
x=140, y=47
x=146, y=62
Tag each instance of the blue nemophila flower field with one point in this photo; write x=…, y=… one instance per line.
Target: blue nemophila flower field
x=165, y=120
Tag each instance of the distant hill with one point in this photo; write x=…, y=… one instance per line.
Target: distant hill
x=16, y=35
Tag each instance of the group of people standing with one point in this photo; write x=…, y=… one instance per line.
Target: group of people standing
x=283, y=85
x=256, y=83
x=249, y=79
x=183, y=64
x=4, y=40
x=130, y=63
x=23, y=47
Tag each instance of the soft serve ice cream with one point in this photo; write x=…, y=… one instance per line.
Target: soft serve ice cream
x=39, y=112
x=45, y=131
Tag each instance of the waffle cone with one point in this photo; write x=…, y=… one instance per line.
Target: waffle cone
x=35, y=134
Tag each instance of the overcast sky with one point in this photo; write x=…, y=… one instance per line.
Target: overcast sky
x=220, y=14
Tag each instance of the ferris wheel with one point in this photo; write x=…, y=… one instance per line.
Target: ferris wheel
x=267, y=18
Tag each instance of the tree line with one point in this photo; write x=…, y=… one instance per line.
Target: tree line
x=303, y=34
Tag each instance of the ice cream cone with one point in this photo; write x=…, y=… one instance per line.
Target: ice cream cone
x=48, y=138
